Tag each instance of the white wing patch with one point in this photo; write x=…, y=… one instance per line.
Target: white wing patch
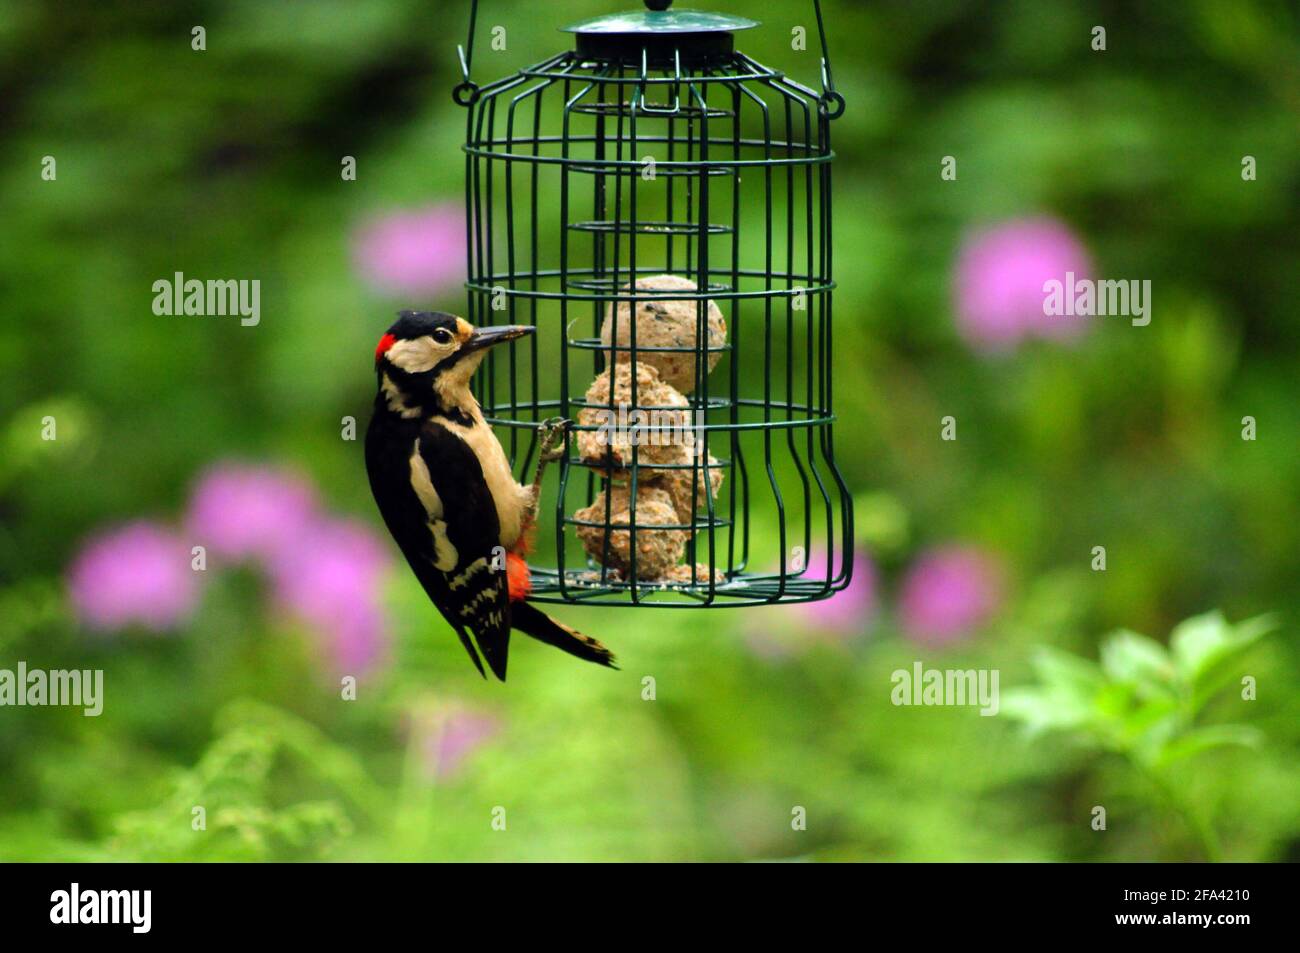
x=445, y=556
x=422, y=484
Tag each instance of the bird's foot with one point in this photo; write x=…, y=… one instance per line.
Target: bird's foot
x=550, y=447
x=551, y=439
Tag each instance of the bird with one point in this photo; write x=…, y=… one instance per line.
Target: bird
x=445, y=490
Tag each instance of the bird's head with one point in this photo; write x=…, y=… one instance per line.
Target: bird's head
x=431, y=354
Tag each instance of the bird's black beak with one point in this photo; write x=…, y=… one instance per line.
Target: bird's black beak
x=486, y=337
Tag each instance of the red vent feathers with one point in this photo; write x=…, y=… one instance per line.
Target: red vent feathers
x=518, y=582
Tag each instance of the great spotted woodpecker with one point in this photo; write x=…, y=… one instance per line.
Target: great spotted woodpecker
x=445, y=490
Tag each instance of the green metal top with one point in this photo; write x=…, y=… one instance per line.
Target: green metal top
x=659, y=35
x=662, y=21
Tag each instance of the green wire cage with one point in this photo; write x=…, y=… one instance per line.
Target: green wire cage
x=656, y=183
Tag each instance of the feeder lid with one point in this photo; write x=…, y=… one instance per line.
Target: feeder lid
x=662, y=21
x=658, y=31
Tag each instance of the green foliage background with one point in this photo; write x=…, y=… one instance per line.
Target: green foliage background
x=226, y=162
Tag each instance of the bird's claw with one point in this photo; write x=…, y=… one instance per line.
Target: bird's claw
x=550, y=434
x=550, y=447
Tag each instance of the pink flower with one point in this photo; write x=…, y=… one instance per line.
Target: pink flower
x=413, y=253
x=999, y=282
x=446, y=736
x=137, y=574
x=948, y=592
x=332, y=579
x=244, y=511
x=783, y=631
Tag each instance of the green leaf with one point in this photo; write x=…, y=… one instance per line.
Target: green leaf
x=1041, y=711
x=1198, y=740
x=1204, y=646
x=1196, y=640
x=1068, y=675
x=1138, y=661
x=1065, y=699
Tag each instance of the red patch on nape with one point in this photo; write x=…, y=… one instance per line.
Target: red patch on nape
x=519, y=582
x=382, y=347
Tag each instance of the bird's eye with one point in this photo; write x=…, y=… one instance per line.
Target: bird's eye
x=442, y=336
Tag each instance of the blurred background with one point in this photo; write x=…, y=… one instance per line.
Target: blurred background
x=129, y=437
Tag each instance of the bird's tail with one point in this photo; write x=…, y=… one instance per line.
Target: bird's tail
x=534, y=622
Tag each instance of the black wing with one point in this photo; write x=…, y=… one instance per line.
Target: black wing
x=465, y=541
x=390, y=443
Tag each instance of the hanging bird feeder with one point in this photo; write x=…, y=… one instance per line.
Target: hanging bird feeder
x=658, y=205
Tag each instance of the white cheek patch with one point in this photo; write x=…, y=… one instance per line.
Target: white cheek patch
x=418, y=354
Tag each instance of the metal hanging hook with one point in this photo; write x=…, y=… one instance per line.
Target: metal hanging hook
x=467, y=91
x=832, y=103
